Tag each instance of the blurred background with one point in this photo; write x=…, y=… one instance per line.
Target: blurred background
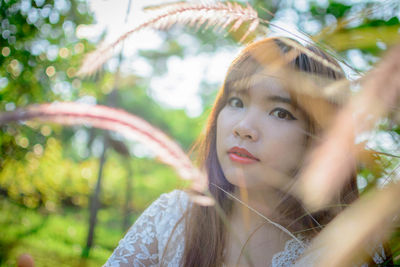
x=68, y=194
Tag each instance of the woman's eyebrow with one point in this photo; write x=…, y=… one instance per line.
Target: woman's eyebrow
x=240, y=92
x=281, y=99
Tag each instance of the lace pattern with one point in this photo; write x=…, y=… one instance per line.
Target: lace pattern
x=144, y=243
x=289, y=256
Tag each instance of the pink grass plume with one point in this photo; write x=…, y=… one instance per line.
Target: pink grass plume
x=129, y=125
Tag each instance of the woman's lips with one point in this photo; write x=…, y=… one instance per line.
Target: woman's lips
x=241, y=155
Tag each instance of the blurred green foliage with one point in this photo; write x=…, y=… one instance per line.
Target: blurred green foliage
x=53, y=239
x=39, y=57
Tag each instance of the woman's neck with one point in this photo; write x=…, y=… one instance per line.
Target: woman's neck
x=250, y=227
x=254, y=204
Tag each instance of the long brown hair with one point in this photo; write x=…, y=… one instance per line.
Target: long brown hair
x=205, y=230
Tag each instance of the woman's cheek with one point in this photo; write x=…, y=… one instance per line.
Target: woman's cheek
x=286, y=148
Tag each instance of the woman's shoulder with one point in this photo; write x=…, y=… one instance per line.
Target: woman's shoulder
x=165, y=207
x=165, y=211
x=169, y=207
x=170, y=225
x=145, y=241
x=176, y=196
x=303, y=256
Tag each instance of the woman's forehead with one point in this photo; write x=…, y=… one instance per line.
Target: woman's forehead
x=262, y=84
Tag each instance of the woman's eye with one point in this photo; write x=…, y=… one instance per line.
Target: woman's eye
x=235, y=102
x=282, y=114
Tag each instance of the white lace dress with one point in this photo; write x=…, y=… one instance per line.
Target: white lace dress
x=145, y=241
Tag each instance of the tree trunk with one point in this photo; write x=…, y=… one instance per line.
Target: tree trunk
x=95, y=203
x=128, y=198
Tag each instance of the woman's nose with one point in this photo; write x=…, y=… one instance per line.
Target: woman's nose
x=246, y=129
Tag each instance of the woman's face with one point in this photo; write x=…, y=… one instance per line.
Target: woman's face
x=260, y=134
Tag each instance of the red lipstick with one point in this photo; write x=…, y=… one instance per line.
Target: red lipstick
x=241, y=155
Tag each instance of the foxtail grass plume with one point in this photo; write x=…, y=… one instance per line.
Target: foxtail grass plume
x=333, y=161
x=356, y=234
x=129, y=125
x=219, y=15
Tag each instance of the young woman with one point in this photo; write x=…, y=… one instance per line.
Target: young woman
x=256, y=141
